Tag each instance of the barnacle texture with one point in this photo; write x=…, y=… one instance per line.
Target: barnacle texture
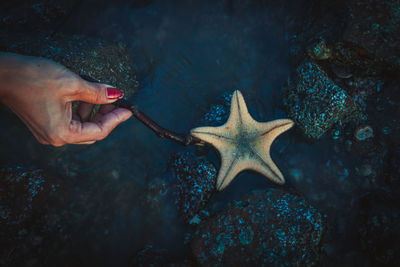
x=195, y=185
x=20, y=190
x=272, y=228
x=218, y=114
x=103, y=61
x=26, y=195
x=315, y=102
x=374, y=25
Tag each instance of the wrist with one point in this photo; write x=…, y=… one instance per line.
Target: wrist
x=12, y=67
x=7, y=70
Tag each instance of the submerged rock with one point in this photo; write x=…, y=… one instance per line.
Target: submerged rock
x=218, y=113
x=379, y=229
x=355, y=69
x=274, y=228
x=26, y=195
x=374, y=25
x=315, y=102
x=350, y=71
x=22, y=190
x=312, y=29
x=196, y=180
x=320, y=51
x=106, y=62
x=29, y=28
x=356, y=59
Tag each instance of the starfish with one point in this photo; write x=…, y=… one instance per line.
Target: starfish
x=244, y=143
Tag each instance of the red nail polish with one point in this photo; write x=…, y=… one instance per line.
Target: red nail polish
x=114, y=93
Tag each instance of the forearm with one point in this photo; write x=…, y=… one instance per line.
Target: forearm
x=10, y=66
x=20, y=74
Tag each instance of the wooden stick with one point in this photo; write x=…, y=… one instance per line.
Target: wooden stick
x=181, y=139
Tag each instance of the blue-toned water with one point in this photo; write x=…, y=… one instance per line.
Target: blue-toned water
x=186, y=55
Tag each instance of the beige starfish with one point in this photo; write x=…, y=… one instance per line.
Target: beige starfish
x=244, y=143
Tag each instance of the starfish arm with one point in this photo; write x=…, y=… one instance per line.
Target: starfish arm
x=239, y=115
x=263, y=164
x=269, y=131
x=262, y=145
x=231, y=165
x=217, y=136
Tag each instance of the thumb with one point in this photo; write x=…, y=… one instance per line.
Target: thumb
x=98, y=93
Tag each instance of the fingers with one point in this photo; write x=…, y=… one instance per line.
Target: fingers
x=101, y=126
x=84, y=111
x=86, y=143
x=97, y=93
x=104, y=109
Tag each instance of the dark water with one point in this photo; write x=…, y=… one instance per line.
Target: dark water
x=186, y=54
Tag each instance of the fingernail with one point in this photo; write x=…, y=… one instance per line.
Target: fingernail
x=114, y=93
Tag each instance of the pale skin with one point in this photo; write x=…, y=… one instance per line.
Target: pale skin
x=40, y=92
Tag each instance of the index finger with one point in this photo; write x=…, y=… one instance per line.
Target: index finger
x=93, y=131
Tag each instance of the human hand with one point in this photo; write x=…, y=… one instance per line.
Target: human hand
x=41, y=93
